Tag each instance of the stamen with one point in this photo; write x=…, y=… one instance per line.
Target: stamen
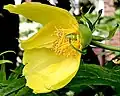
x=62, y=46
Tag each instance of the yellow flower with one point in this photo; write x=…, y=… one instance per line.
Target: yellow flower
x=50, y=58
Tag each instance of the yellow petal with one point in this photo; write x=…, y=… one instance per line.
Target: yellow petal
x=41, y=13
x=54, y=18
x=37, y=83
x=45, y=71
x=43, y=38
x=46, y=35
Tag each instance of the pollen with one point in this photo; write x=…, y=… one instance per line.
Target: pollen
x=62, y=45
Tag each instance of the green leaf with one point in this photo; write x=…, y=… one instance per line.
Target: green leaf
x=50, y=94
x=90, y=74
x=12, y=94
x=5, y=61
x=9, y=51
x=91, y=17
x=16, y=73
x=112, y=32
x=92, y=23
x=25, y=91
x=89, y=23
x=117, y=12
x=3, y=84
x=106, y=29
x=2, y=73
x=13, y=86
x=98, y=18
x=110, y=65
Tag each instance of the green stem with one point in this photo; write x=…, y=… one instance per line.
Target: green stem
x=96, y=43
x=98, y=38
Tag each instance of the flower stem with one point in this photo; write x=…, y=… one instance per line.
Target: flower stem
x=98, y=38
x=96, y=43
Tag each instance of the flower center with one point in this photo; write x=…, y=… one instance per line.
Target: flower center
x=62, y=45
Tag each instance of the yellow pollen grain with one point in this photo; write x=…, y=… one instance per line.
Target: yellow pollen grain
x=62, y=46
